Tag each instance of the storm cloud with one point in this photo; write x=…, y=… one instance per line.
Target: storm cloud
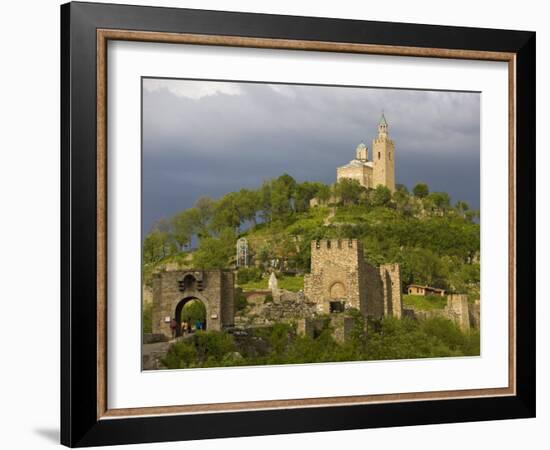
x=209, y=137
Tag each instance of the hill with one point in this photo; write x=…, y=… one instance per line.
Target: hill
x=435, y=242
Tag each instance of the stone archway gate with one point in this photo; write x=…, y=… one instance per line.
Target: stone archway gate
x=214, y=288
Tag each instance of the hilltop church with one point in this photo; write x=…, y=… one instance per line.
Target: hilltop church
x=380, y=170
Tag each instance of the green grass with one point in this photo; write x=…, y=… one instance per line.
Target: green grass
x=424, y=303
x=293, y=284
x=290, y=283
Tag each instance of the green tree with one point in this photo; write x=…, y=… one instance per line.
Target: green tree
x=184, y=225
x=157, y=245
x=192, y=311
x=227, y=214
x=212, y=346
x=282, y=194
x=215, y=253
x=402, y=202
x=440, y=200
x=265, y=200
x=246, y=275
x=205, y=207
x=422, y=266
x=421, y=190
x=471, y=215
x=240, y=300
x=348, y=191
x=304, y=192
x=323, y=194
x=381, y=196
x=462, y=208
x=247, y=204
x=401, y=188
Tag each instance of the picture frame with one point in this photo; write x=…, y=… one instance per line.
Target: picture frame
x=86, y=418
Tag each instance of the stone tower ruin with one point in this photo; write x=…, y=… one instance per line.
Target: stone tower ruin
x=341, y=279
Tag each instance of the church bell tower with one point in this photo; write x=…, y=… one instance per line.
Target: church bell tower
x=383, y=156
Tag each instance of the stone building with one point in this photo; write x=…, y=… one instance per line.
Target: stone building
x=172, y=290
x=419, y=289
x=340, y=279
x=380, y=170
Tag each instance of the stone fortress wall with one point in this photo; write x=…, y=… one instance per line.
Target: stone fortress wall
x=341, y=279
x=466, y=315
x=172, y=289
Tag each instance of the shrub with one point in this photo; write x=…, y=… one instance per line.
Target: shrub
x=421, y=190
x=212, y=346
x=147, y=318
x=181, y=355
x=292, y=283
x=424, y=303
x=246, y=275
x=240, y=300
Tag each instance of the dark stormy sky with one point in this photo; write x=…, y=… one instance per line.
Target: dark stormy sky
x=209, y=138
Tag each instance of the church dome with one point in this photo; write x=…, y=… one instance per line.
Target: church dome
x=361, y=152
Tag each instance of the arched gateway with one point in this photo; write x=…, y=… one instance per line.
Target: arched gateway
x=172, y=290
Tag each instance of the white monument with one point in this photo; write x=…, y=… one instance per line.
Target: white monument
x=272, y=283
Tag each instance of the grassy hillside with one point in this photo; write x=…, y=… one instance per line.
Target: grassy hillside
x=424, y=303
x=290, y=283
x=435, y=242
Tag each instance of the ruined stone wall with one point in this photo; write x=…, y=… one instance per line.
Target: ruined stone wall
x=457, y=310
x=475, y=314
x=335, y=274
x=342, y=326
x=393, y=296
x=227, y=299
x=363, y=284
x=288, y=310
x=313, y=290
x=339, y=270
x=157, y=316
x=147, y=295
x=374, y=292
x=309, y=326
x=286, y=306
x=465, y=315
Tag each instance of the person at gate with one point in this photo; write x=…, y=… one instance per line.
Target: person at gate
x=184, y=327
x=173, y=327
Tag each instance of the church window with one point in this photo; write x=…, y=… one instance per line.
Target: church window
x=378, y=155
x=328, y=244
